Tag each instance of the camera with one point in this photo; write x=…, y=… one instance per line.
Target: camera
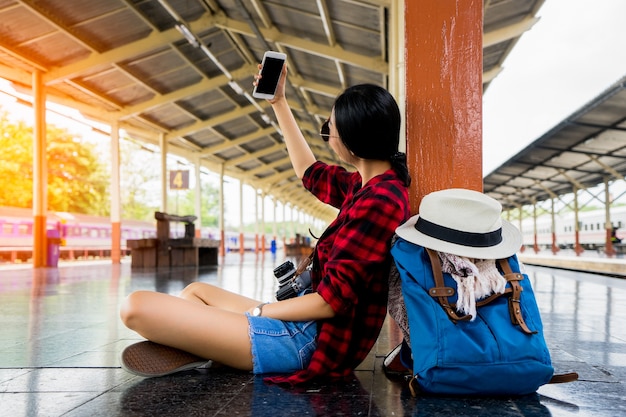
x=290, y=285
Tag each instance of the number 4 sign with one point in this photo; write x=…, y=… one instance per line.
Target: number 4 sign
x=179, y=180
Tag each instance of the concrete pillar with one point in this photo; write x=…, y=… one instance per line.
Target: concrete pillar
x=163, y=145
x=198, y=202
x=609, y=250
x=535, y=244
x=256, y=221
x=578, y=249
x=221, y=223
x=521, y=229
x=555, y=247
x=242, y=247
x=116, y=205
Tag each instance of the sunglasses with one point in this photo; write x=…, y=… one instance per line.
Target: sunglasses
x=325, y=131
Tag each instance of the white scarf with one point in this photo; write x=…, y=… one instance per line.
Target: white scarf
x=474, y=280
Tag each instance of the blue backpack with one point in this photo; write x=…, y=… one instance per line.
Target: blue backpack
x=501, y=352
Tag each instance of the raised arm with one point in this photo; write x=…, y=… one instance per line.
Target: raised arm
x=299, y=151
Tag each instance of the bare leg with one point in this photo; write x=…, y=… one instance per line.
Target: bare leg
x=207, y=322
x=207, y=294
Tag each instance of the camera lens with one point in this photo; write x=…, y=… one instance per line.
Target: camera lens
x=284, y=272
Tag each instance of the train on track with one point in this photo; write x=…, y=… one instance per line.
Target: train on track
x=592, y=230
x=87, y=237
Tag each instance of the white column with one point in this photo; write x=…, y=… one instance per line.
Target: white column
x=163, y=145
x=198, y=208
x=116, y=208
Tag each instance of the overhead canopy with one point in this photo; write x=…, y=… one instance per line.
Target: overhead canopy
x=184, y=69
x=581, y=151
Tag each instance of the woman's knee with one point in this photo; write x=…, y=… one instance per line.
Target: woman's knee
x=196, y=290
x=133, y=308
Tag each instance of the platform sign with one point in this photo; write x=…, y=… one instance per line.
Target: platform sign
x=179, y=180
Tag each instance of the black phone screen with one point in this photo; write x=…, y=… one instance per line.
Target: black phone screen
x=270, y=72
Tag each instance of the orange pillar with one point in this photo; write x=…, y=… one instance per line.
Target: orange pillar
x=443, y=47
x=578, y=249
x=222, y=250
x=536, y=245
x=555, y=246
x=40, y=174
x=609, y=250
x=116, y=242
x=40, y=241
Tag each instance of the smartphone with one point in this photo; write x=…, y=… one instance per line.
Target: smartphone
x=271, y=68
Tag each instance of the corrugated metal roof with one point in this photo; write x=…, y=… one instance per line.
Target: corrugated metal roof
x=580, y=152
x=130, y=61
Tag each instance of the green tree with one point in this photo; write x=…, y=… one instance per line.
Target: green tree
x=16, y=157
x=77, y=181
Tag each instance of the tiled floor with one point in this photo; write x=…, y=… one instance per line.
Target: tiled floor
x=60, y=337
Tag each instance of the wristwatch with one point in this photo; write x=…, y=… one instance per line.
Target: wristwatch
x=258, y=310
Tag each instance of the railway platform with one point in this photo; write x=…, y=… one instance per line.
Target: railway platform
x=589, y=261
x=60, y=339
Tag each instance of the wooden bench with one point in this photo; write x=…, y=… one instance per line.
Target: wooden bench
x=166, y=251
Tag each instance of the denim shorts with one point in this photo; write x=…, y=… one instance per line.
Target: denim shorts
x=281, y=346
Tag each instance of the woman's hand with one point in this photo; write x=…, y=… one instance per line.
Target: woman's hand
x=280, y=88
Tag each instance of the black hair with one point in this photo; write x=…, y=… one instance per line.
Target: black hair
x=367, y=119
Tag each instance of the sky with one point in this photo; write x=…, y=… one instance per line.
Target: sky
x=575, y=51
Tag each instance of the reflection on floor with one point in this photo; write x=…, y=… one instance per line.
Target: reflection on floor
x=60, y=338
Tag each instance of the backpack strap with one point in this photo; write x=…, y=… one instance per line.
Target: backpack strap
x=303, y=265
x=515, y=310
x=562, y=378
x=440, y=292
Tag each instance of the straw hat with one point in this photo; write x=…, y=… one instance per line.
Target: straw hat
x=462, y=222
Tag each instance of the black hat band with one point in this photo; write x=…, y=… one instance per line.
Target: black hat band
x=478, y=240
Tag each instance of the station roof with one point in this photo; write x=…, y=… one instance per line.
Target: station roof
x=580, y=152
x=183, y=69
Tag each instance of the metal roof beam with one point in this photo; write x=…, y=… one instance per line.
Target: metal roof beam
x=331, y=52
x=254, y=155
x=606, y=167
x=271, y=166
x=509, y=32
x=239, y=141
x=603, y=127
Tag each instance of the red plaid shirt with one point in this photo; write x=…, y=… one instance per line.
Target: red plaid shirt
x=351, y=265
